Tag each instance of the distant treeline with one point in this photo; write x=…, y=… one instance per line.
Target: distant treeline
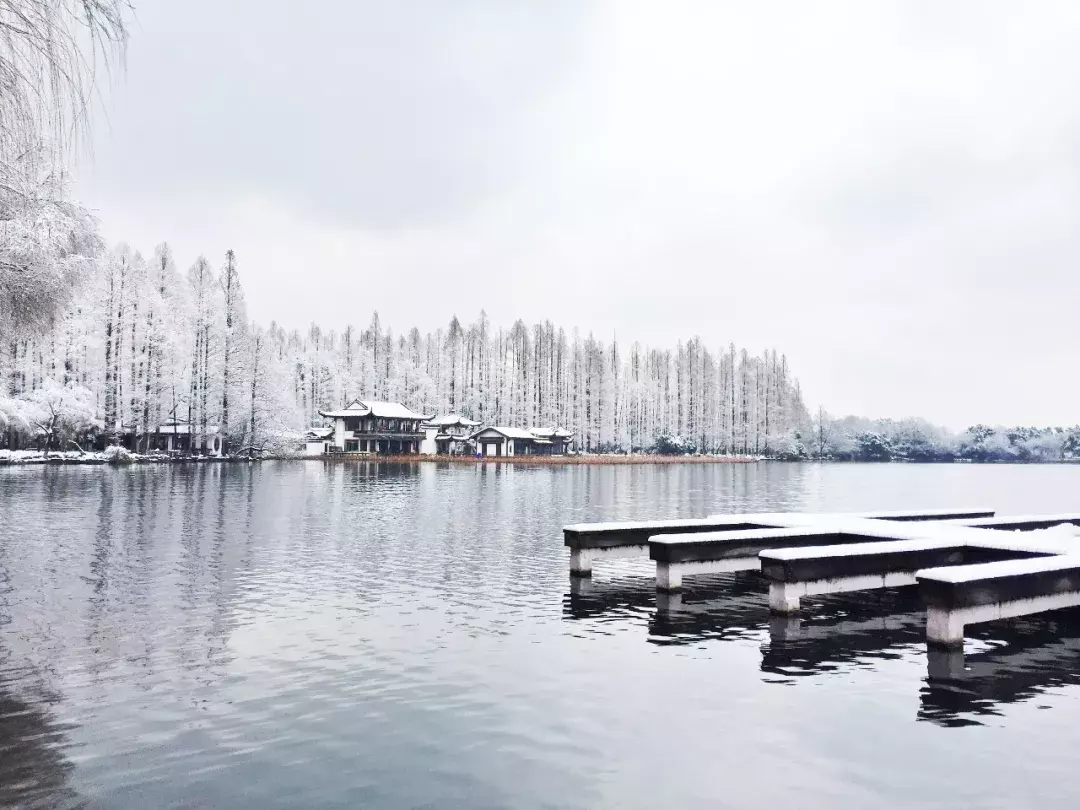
x=858, y=439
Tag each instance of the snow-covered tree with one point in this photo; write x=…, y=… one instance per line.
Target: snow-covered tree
x=50, y=52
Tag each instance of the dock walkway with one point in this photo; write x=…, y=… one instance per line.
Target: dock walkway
x=969, y=564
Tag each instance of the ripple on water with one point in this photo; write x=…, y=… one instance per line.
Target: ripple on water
x=382, y=635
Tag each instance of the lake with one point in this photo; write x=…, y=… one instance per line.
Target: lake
x=301, y=634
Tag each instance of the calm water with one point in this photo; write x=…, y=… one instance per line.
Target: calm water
x=301, y=635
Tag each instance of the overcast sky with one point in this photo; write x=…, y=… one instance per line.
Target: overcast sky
x=887, y=192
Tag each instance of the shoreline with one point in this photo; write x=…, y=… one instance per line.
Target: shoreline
x=95, y=459
x=98, y=459
x=592, y=459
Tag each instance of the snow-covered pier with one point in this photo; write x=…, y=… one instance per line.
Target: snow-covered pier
x=956, y=597
x=1019, y=523
x=797, y=572
x=596, y=542
x=970, y=566
x=682, y=555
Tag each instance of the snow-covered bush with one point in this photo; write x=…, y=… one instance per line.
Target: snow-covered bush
x=668, y=444
x=115, y=454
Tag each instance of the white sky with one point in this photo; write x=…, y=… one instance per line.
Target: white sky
x=887, y=192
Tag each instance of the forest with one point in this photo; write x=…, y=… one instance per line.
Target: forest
x=140, y=343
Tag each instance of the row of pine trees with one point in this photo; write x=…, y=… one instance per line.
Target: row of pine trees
x=150, y=343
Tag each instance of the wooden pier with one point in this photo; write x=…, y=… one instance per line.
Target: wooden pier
x=969, y=564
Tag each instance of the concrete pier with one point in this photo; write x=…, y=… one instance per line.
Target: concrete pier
x=590, y=543
x=957, y=597
x=677, y=556
x=595, y=542
x=797, y=572
x=970, y=565
x=1019, y=523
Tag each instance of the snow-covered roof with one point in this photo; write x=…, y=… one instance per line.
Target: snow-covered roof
x=393, y=410
x=354, y=408
x=383, y=410
x=551, y=432
x=320, y=432
x=508, y=432
x=454, y=419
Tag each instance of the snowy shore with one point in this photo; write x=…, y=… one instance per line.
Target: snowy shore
x=12, y=457
x=111, y=456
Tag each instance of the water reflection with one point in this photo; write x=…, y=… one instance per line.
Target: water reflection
x=1012, y=660
x=838, y=633
x=400, y=635
x=1019, y=661
x=34, y=770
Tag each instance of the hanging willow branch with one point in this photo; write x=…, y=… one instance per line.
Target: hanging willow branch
x=50, y=52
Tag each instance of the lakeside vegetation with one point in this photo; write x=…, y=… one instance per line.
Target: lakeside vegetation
x=853, y=438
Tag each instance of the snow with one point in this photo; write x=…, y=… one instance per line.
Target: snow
x=382, y=410
x=1057, y=542
x=453, y=419
x=858, y=549
x=927, y=513
x=715, y=520
x=38, y=457
x=1005, y=568
x=354, y=408
x=392, y=410
x=551, y=433
x=508, y=432
x=1006, y=520
x=736, y=536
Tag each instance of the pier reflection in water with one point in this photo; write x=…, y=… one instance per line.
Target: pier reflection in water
x=1006, y=662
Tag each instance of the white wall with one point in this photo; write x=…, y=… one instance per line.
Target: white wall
x=427, y=446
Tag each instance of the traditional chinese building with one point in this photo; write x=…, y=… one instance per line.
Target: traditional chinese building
x=384, y=428
x=452, y=435
x=176, y=436
x=504, y=441
x=318, y=440
x=553, y=441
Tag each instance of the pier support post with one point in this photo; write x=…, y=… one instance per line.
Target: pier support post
x=785, y=628
x=581, y=586
x=944, y=628
x=783, y=600
x=944, y=665
x=668, y=601
x=668, y=578
x=580, y=562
